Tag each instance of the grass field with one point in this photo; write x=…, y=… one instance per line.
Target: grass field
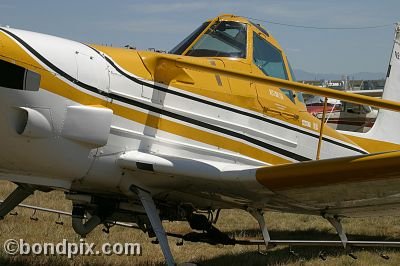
x=235, y=223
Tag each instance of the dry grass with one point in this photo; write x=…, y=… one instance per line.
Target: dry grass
x=236, y=223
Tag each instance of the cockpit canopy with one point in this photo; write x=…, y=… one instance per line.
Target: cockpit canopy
x=223, y=39
x=237, y=38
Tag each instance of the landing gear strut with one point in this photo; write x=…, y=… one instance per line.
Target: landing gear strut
x=259, y=216
x=335, y=222
x=155, y=221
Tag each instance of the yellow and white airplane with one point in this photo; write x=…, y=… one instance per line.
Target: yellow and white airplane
x=217, y=123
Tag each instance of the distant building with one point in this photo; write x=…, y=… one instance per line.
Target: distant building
x=348, y=84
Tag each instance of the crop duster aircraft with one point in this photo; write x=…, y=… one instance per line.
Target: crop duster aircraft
x=217, y=123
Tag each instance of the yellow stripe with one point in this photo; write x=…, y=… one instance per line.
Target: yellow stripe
x=127, y=59
x=374, y=146
x=130, y=61
x=52, y=83
x=195, y=134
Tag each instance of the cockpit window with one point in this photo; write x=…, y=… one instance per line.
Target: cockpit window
x=299, y=94
x=224, y=39
x=260, y=28
x=183, y=45
x=268, y=58
x=291, y=71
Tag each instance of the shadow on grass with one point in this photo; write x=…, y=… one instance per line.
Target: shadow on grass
x=283, y=255
x=26, y=260
x=310, y=234
x=280, y=255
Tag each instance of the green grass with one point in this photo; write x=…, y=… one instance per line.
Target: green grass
x=234, y=222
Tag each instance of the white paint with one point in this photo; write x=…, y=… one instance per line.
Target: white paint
x=37, y=125
x=387, y=127
x=89, y=125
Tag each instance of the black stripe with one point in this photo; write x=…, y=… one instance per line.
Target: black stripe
x=388, y=71
x=55, y=68
x=158, y=110
x=211, y=127
x=244, y=113
x=180, y=117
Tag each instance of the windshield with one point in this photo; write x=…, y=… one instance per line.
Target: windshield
x=183, y=45
x=224, y=39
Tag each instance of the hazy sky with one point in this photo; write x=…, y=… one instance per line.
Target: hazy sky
x=162, y=24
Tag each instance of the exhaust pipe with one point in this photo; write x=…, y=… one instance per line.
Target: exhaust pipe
x=81, y=228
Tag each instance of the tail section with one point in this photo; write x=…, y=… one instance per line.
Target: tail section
x=387, y=125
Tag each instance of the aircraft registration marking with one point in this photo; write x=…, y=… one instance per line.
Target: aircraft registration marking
x=306, y=123
x=276, y=94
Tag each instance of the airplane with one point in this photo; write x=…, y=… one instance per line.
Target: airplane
x=217, y=123
x=343, y=116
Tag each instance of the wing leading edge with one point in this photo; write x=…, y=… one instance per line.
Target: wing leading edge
x=354, y=169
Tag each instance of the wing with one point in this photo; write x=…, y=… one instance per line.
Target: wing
x=203, y=183
x=371, y=93
x=349, y=186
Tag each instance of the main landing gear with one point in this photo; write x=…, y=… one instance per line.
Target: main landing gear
x=155, y=221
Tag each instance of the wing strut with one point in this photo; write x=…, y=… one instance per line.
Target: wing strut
x=259, y=216
x=335, y=222
x=15, y=198
x=155, y=221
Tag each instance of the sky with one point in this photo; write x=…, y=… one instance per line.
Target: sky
x=162, y=24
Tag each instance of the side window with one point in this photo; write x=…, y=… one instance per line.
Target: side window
x=268, y=58
x=291, y=71
x=299, y=94
x=270, y=61
x=288, y=94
